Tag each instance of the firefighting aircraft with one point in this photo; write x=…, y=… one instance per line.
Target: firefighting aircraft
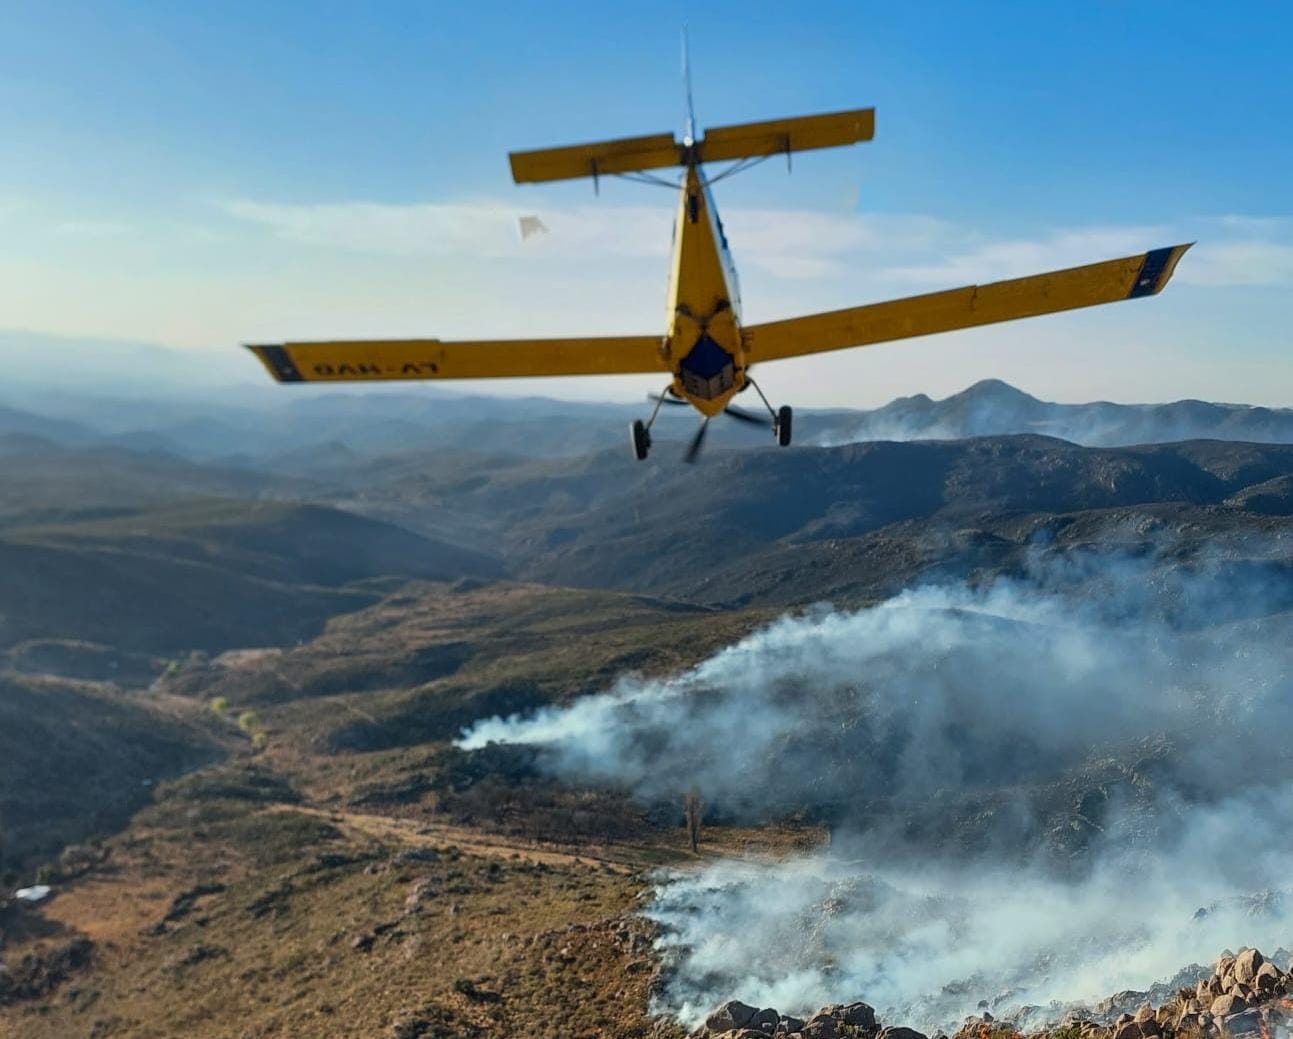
x=707, y=352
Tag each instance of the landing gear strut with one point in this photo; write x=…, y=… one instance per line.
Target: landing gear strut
x=782, y=417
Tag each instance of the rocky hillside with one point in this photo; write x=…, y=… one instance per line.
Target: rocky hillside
x=799, y=525
x=1244, y=994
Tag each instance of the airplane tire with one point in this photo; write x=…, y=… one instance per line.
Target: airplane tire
x=640, y=438
x=784, y=421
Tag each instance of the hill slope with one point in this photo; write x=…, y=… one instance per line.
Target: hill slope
x=208, y=575
x=707, y=532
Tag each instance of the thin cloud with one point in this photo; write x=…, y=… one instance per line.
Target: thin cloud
x=909, y=249
x=92, y=228
x=786, y=243
x=1229, y=251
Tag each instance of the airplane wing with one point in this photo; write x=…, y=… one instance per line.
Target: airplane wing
x=1107, y=282
x=372, y=360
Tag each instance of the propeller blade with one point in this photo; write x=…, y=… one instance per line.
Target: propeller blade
x=665, y=398
x=693, y=450
x=745, y=416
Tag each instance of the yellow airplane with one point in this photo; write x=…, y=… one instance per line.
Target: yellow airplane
x=706, y=351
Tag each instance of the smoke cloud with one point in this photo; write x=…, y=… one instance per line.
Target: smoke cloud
x=1033, y=787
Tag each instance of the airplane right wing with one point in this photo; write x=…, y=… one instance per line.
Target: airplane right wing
x=1107, y=282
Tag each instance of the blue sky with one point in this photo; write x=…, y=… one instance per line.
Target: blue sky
x=200, y=175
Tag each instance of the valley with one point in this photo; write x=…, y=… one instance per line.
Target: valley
x=397, y=742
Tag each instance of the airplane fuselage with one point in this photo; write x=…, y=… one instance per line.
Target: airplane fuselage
x=704, y=320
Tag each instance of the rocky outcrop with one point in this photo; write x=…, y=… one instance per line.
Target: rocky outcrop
x=737, y=1020
x=1244, y=994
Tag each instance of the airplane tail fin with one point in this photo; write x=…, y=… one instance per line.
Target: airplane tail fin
x=719, y=144
x=689, y=136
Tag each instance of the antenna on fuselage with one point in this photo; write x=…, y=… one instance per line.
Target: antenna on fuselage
x=689, y=136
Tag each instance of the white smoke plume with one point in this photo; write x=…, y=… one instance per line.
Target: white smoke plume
x=928, y=943
x=1033, y=785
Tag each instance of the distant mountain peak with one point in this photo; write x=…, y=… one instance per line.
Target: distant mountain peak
x=995, y=389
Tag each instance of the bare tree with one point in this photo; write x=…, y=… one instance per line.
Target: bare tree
x=693, y=808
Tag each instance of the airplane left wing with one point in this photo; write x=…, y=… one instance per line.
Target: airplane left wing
x=373, y=360
x=1107, y=282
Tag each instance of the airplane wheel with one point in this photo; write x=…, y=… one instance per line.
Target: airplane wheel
x=640, y=437
x=784, y=419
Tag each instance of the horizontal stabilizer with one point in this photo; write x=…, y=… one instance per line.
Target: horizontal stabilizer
x=626, y=155
x=1142, y=275
x=751, y=140
x=380, y=359
x=660, y=150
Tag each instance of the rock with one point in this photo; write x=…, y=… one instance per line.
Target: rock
x=1247, y=964
x=856, y=1015
x=792, y=1024
x=1127, y=1030
x=1150, y=1028
x=1267, y=978
x=764, y=1021
x=1144, y=1012
x=1224, y=1006
x=900, y=1033
x=822, y=1026
x=1122, y=1019
x=730, y=1016
x=361, y=942
x=1246, y=1021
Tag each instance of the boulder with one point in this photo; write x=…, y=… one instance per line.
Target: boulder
x=764, y=1021
x=1268, y=978
x=730, y=1016
x=1242, y=1023
x=792, y=1024
x=857, y=1015
x=1224, y=1006
x=1127, y=1030
x=1247, y=963
x=900, y=1033
x=821, y=1026
x=1144, y=1012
